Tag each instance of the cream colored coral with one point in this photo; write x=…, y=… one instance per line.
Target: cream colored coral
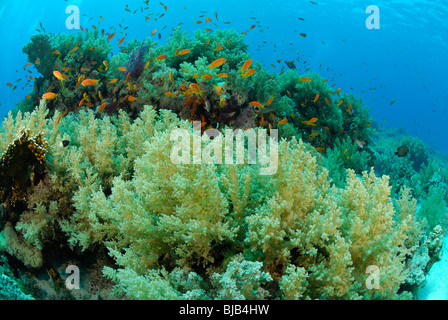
x=116, y=186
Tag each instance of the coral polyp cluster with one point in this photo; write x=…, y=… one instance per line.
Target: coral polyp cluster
x=23, y=157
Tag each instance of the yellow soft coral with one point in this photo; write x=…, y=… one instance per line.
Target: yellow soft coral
x=116, y=186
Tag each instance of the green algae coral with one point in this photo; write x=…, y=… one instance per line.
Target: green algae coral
x=434, y=207
x=39, y=51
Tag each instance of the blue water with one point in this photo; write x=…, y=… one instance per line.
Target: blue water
x=405, y=60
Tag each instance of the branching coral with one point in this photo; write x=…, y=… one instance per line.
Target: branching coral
x=346, y=154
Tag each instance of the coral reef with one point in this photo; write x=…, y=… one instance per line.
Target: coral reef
x=89, y=172
x=178, y=76
x=426, y=255
x=11, y=287
x=9, y=290
x=425, y=174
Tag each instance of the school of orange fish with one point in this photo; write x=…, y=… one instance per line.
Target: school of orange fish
x=63, y=73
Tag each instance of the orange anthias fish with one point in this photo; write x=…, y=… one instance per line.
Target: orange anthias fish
x=101, y=107
x=270, y=101
x=339, y=103
x=131, y=98
x=256, y=104
x=195, y=88
x=58, y=75
x=181, y=53
x=246, y=65
x=60, y=116
x=146, y=65
x=161, y=57
x=311, y=122
x=110, y=36
x=122, y=69
x=170, y=94
x=249, y=73
x=316, y=98
x=80, y=78
x=113, y=81
x=50, y=96
x=327, y=102
x=283, y=121
x=222, y=75
x=171, y=77
x=218, y=90
x=217, y=63
x=121, y=40
x=350, y=107
x=305, y=79
x=89, y=82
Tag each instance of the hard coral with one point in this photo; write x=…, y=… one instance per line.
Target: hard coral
x=23, y=158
